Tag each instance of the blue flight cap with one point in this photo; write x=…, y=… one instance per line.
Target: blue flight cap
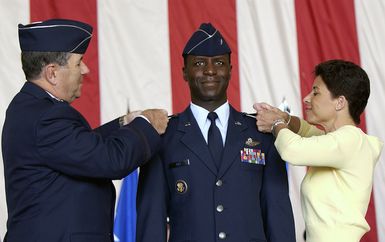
x=55, y=35
x=206, y=41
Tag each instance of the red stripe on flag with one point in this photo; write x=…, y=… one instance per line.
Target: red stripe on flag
x=327, y=30
x=184, y=18
x=85, y=11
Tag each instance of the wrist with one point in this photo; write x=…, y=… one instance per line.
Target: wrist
x=287, y=118
x=278, y=123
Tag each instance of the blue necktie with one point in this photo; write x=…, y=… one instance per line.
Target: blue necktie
x=215, y=140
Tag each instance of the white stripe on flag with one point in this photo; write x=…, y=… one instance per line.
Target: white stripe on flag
x=268, y=67
x=12, y=76
x=268, y=56
x=371, y=36
x=134, y=56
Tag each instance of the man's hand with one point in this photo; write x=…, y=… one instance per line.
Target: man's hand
x=158, y=118
x=131, y=116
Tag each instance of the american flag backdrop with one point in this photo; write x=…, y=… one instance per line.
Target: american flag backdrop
x=135, y=61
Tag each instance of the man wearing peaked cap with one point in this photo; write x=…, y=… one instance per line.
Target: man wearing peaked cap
x=216, y=177
x=58, y=170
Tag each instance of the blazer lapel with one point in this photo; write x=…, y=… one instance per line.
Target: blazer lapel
x=194, y=140
x=234, y=140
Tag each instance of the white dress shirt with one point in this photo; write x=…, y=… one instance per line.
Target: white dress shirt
x=204, y=123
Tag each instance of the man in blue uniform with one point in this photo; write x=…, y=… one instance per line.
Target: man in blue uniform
x=216, y=178
x=58, y=170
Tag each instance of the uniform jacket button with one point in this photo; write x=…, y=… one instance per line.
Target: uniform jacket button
x=220, y=208
x=222, y=235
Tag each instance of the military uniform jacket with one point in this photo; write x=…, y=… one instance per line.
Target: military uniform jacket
x=58, y=170
x=245, y=200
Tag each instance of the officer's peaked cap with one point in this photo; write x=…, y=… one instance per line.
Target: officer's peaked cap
x=55, y=35
x=206, y=41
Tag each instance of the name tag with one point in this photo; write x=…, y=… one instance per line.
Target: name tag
x=179, y=164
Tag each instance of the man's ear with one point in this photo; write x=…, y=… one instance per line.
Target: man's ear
x=341, y=103
x=184, y=73
x=49, y=72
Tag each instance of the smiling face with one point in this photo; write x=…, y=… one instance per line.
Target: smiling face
x=208, y=79
x=320, y=106
x=70, y=78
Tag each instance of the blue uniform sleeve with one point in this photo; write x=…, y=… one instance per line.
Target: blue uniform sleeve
x=106, y=129
x=152, y=197
x=66, y=143
x=276, y=205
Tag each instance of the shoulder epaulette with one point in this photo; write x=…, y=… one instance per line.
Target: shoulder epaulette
x=251, y=115
x=173, y=116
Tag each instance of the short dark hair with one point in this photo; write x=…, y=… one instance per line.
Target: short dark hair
x=344, y=78
x=33, y=62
